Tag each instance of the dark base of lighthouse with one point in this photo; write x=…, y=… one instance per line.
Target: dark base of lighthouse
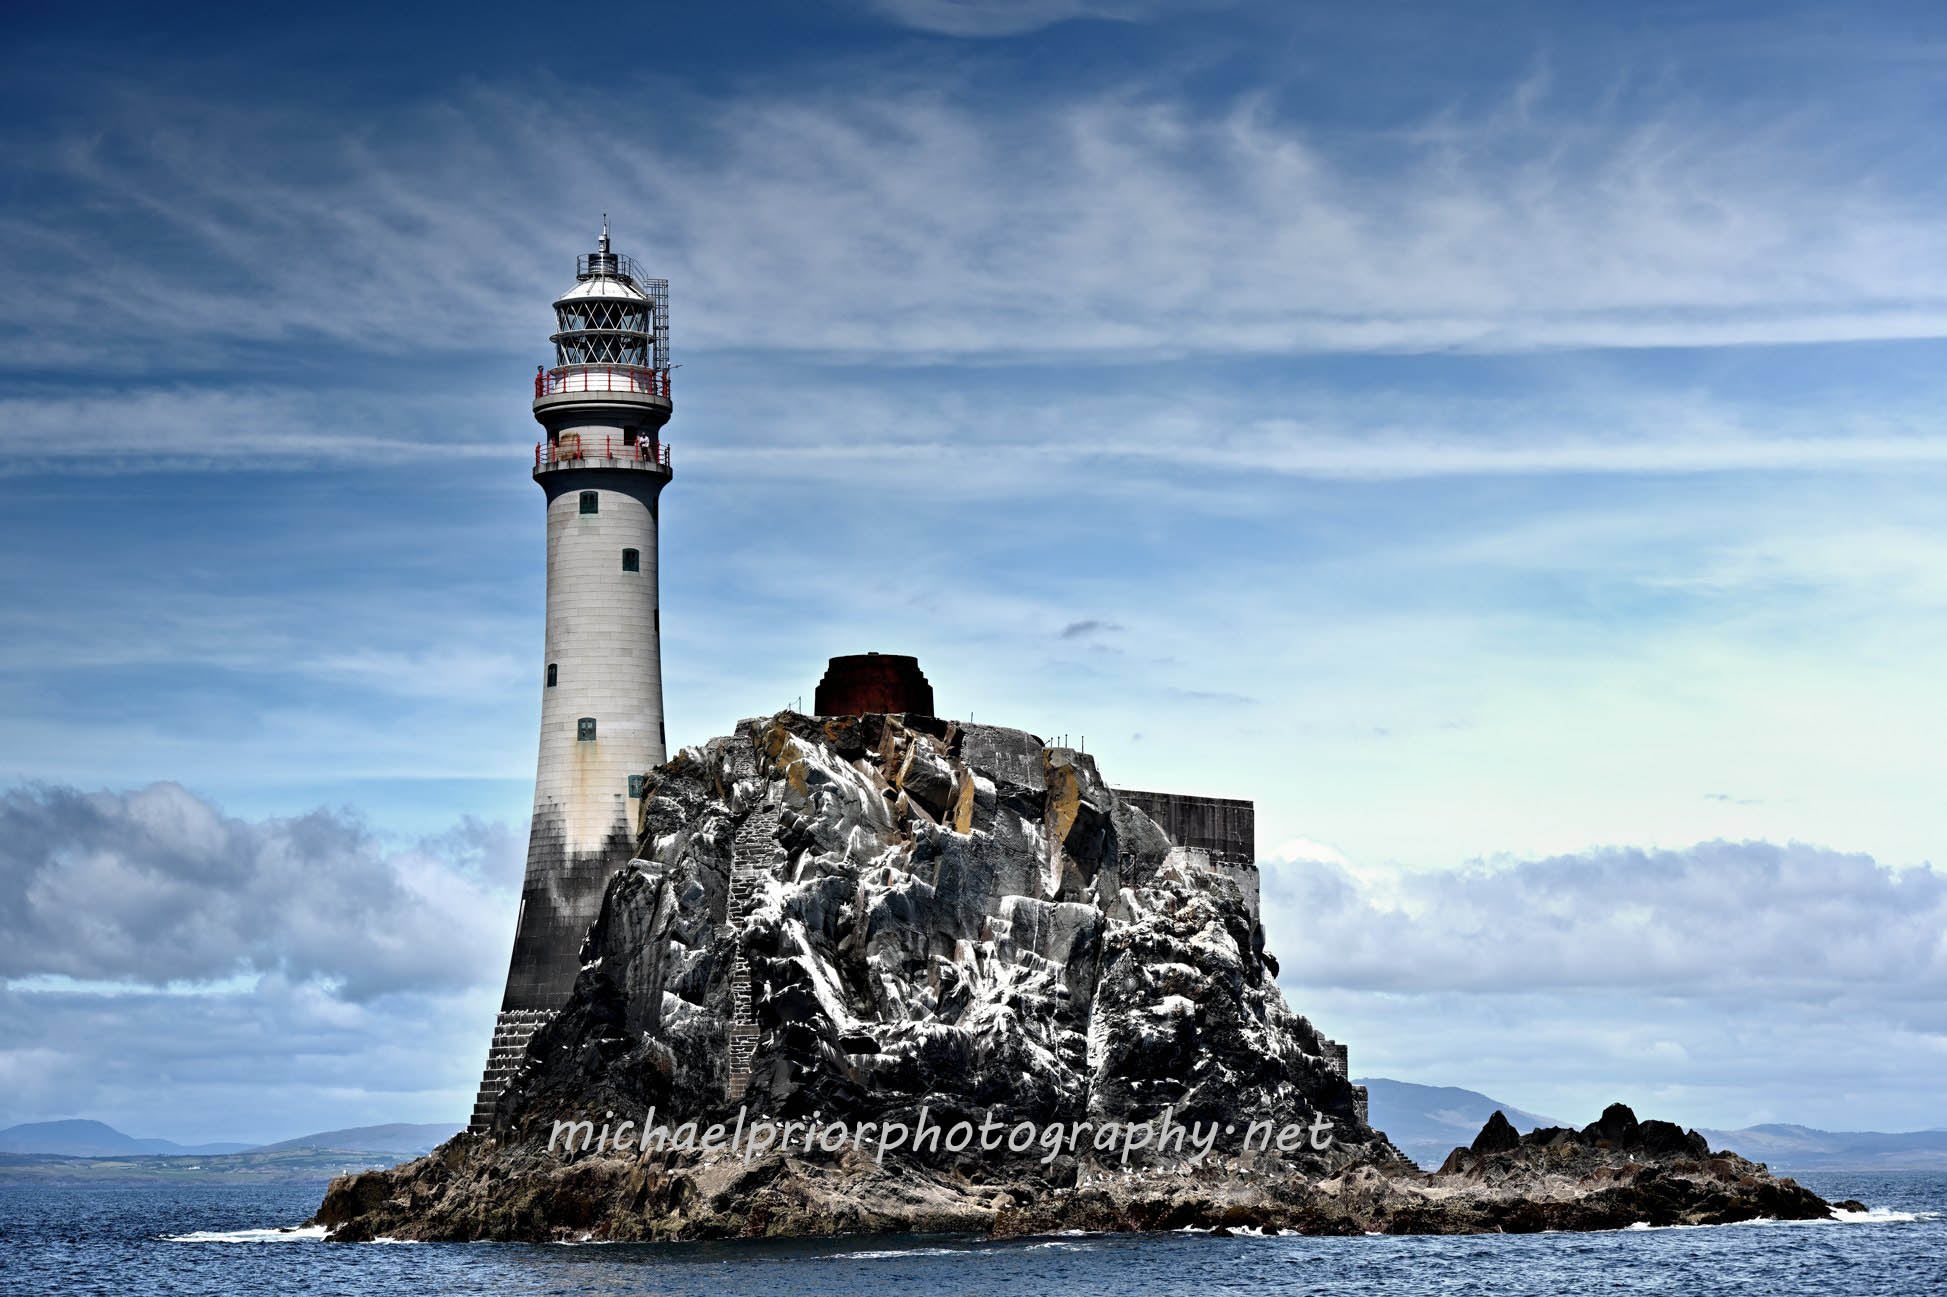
x=561, y=896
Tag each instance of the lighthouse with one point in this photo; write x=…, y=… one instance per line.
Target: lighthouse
x=601, y=464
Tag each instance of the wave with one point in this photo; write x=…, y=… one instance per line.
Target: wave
x=1871, y=1216
x=1881, y=1216
x=282, y=1234
x=1644, y=1227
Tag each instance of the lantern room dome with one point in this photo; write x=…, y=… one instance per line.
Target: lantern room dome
x=613, y=315
x=602, y=288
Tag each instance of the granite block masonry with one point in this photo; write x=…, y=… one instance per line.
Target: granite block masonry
x=602, y=467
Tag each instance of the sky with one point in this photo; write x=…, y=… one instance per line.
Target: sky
x=1502, y=440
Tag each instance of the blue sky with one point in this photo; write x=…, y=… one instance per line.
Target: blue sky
x=1502, y=441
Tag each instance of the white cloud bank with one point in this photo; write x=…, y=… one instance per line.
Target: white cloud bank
x=1748, y=919
x=332, y=980
x=157, y=887
x=1723, y=984
x=176, y=971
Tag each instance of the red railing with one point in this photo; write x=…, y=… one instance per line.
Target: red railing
x=572, y=450
x=601, y=378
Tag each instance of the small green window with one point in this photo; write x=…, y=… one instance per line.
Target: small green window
x=635, y=785
x=585, y=729
x=631, y=560
x=551, y=675
x=591, y=502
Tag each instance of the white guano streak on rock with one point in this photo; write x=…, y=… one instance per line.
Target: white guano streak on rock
x=824, y=982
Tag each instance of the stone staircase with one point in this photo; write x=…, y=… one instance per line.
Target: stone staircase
x=751, y=854
x=512, y=1030
x=740, y=1045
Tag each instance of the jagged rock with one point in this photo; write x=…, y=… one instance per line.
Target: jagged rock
x=959, y=923
x=1614, y=1172
x=1497, y=1136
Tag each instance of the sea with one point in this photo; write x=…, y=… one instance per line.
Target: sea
x=235, y=1239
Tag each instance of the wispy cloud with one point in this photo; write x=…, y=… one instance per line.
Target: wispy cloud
x=964, y=436
x=926, y=226
x=991, y=18
x=281, y=427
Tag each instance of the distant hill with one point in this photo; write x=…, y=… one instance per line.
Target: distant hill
x=400, y=1139
x=1802, y=1148
x=95, y=1139
x=79, y=1138
x=1427, y=1122
x=294, y=1166
x=90, y=1153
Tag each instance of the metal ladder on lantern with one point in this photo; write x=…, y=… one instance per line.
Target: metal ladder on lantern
x=749, y=855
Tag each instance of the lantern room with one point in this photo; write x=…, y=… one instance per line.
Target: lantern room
x=613, y=315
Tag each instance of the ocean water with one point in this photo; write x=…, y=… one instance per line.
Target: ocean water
x=232, y=1240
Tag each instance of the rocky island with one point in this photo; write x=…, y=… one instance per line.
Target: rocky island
x=872, y=923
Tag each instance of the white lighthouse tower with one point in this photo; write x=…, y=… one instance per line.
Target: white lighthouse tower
x=602, y=465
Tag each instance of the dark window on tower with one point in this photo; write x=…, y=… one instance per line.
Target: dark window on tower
x=551, y=675
x=585, y=729
x=628, y=436
x=591, y=502
x=631, y=560
x=635, y=785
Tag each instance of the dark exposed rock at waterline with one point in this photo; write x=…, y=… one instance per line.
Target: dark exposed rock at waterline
x=957, y=920
x=475, y=1189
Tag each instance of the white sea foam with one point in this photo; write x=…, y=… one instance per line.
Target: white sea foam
x=1871, y=1216
x=288, y=1234
x=1881, y=1216
x=1643, y=1225
x=894, y=1253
